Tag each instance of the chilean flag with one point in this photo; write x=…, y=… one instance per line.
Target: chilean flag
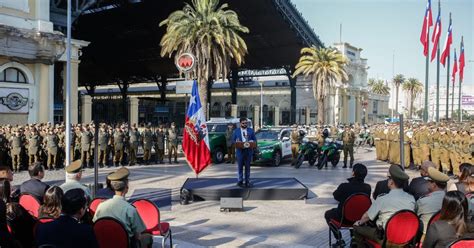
x=195, y=136
x=455, y=68
x=447, y=44
x=427, y=23
x=436, y=35
x=462, y=61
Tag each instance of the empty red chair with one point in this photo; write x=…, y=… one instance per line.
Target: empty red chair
x=111, y=233
x=30, y=203
x=462, y=243
x=401, y=229
x=95, y=204
x=150, y=215
x=352, y=210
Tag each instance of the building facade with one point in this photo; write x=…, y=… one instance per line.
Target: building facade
x=467, y=103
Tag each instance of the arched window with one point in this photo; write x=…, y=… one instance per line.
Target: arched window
x=13, y=75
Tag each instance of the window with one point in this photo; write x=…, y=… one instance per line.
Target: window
x=12, y=75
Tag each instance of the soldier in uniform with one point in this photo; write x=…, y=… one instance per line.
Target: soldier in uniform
x=62, y=144
x=230, y=147
x=348, y=139
x=16, y=144
x=34, y=142
x=134, y=141
x=435, y=147
x=172, y=136
x=424, y=141
x=52, y=142
x=159, y=139
x=103, y=143
x=445, y=144
x=77, y=143
x=295, y=143
x=119, y=139
x=86, y=146
x=3, y=148
x=147, y=138
x=110, y=154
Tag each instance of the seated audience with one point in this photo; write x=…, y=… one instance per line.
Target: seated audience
x=73, y=178
x=119, y=209
x=381, y=188
x=106, y=192
x=465, y=182
x=5, y=190
x=22, y=224
x=51, y=207
x=384, y=207
x=452, y=224
x=34, y=186
x=355, y=185
x=6, y=238
x=430, y=204
x=67, y=231
x=419, y=186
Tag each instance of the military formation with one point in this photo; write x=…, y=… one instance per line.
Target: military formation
x=21, y=146
x=447, y=145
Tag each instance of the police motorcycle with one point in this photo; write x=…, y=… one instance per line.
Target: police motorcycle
x=329, y=152
x=308, y=151
x=364, y=138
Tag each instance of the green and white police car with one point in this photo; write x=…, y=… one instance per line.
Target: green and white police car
x=273, y=146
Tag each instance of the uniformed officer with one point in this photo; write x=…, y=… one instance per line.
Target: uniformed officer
x=428, y=205
x=16, y=144
x=119, y=209
x=86, y=145
x=159, y=139
x=419, y=186
x=295, y=143
x=348, y=139
x=384, y=207
x=119, y=139
x=3, y=147
x=134, y=141
x=230, y=147
x=103, y=141
x=147, y=138
x=34, y=142
x=77, y=143
x=52, y=142
x=73, y=178
x=172, y=136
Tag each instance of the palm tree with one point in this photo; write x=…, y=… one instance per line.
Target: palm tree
x=378, y=87
x=209, y=32
x=414, y=88
x=398, y=80
x=327, y=68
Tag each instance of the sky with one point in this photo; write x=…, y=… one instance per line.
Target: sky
x=386, y=27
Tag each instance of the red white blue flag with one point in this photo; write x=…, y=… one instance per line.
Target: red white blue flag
x=436, y=35
x=427, y=23
x=195, y=136
x=462, y=61
x=447, y=44
x=455, y=68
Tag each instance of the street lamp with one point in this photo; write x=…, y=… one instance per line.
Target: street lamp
x=261, y=103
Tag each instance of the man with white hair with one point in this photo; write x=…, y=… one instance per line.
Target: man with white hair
x=73, y=178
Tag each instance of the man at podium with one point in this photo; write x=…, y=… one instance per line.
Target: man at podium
x=245, y=143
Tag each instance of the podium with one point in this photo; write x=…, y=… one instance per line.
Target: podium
x=245, y=145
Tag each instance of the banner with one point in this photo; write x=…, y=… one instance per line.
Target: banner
x=14, y=100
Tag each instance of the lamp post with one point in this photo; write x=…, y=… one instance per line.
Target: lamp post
x=261, y=103
x=68, y=87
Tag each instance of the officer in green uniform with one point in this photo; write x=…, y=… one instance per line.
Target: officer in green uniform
x=3, y=148
x=172, y=136
x=230, y=146
x=134, y=140
x=119, y=209
x=295, y=143
x=52, y=142
x=348, y=139
x=86, y=145
x=159, y=139
x=119, y=139
x=73, y=178
x=34, y=142
x=103, y=141
x=147, y=138
x=16, y=144
x=77, y=143
x=428, y=205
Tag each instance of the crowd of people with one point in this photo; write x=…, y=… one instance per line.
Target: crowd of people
x=66, y=207
x=117, y=145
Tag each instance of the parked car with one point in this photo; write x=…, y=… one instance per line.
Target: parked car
x=273, y=146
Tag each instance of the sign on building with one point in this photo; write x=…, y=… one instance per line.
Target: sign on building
x=14, y=100
x=184, y=87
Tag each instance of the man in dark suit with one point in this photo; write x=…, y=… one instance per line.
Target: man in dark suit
x=34, y=186
x=244, y=155
x=355, y=185
x=66, y=231
x=381, y=188
x=419, y=186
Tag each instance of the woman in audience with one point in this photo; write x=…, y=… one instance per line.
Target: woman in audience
x=6, y=239
x=22, y=224
x=452, y=224
x=465, y=182
x=51, y=208
x=5, y=190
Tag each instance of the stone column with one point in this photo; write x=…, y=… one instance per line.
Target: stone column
x=345, y=109
x=256, y=117
x=357, y=110
x=74, y=90
x=45, y=100
x=308, y=115
x=276, y=116
x=234, y=110
x=86, y=108
x=337, y=106
x=133, y=110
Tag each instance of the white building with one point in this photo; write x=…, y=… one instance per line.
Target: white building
x=466, y=105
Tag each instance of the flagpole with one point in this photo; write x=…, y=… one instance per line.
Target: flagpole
x=460, y=78
x=447, y=89
x=425, y=110
x=437, y=84
x=454, y=85
x=460, y=100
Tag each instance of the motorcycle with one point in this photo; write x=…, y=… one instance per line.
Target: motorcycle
x=330, y=152
x=365, y=138
x=308, y=151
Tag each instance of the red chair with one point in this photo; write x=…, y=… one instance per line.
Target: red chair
x=30, y=203
x=352, y=210
x=462, y=243
x=9, y=228
x=150, y=215
x=45, y=220
x=111, y=233
x=95, y=204
x=434, y=218
x=401, y=229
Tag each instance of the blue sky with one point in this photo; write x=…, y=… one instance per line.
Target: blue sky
x=380, y=27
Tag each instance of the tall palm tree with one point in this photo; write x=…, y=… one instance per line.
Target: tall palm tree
x=210, y=32
x=327, y=68
x=413, y=87
x=378, y=87
x=398, y=80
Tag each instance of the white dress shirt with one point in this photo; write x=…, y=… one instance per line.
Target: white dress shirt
x=244, y=134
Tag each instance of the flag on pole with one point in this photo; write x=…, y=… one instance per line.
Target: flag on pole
x=436, y=35
x=462, y=61
x=455, y=68
x=427, y=23
x=195, y=136
x=447, y=44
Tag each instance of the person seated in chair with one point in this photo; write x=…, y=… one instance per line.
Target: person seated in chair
x=383, y=208
x=355, y=185
x=73, y=178
x=35, y=186
x=119, y=209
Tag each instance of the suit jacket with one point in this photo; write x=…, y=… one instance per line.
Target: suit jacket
x=237, y=136
x=418, y=187
x=66, y=232
x=381, y=188
x=347, y=189
x=34, y=187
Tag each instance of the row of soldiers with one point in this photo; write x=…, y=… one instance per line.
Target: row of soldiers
x=447, y=145
x=23, y=145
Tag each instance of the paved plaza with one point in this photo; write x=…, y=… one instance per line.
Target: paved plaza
x=261, y=224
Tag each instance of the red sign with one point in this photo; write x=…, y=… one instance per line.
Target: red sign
x=185, y=62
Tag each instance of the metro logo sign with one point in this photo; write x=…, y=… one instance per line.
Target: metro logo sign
x=185, y=62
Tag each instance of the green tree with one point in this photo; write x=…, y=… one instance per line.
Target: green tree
x=378, y=87
x=398, y=80
x=414, y=88
x=327, y=67
x=210, y=32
